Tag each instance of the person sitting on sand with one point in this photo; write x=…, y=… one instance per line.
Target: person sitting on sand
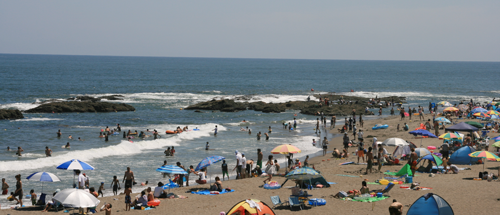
x=364, y=188
x=336, y=153
x=201, y=174
x=217, y=186
x=159, y=193
x=143, y=199
x=451, y=167
x=396, y=208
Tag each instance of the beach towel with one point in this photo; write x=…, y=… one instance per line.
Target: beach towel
x=371, y=199
x=346, y=163
x=207, y=192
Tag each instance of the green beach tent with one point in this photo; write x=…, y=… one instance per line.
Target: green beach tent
x=406, y=170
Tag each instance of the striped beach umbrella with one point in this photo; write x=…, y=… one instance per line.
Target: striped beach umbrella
x=479, y=114
x=442, y=119
x=448, y=136
x=304, y=173
x=171, y=169
x=422, y=152
x=75, y=164
x=450, y=109
x=484, y=154
x=492, y=112
x=479, y=110
x=285, y=149
x=43, y=177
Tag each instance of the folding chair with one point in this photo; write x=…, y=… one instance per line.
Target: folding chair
x=276, y=201
x=294, y=201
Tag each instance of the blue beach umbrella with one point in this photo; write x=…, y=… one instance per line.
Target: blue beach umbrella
x=496, y=138
x=43, y=176
x=171, y=169
x=479, y=110
x=422, y=132
x=75, y=164
x=422, y=152
x=209, y=161
x=442, y=119
x=304, y=173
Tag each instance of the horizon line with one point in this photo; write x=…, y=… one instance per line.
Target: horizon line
x=255, y=58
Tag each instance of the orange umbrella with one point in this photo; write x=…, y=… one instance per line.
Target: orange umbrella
x=479, y=114
x=285, y=149
x=450, y=109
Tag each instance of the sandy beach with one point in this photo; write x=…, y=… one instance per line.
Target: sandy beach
x=454, y=188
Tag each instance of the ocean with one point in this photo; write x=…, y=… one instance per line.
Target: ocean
x=160, y=87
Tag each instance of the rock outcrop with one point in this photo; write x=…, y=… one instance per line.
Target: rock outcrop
x=80, y=106
x=10, y=114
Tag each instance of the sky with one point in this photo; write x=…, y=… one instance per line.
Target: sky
x=444, y=30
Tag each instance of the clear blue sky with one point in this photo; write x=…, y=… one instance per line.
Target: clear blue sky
x=450, y=30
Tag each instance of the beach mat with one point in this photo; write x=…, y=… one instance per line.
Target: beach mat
x=207, y=192
x=346, y=163
x=371, y=199
x=352, y=176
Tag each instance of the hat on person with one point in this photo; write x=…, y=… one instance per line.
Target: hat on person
x=84, y=174
x=242, y=153
x=236, y=152
x=102, y=182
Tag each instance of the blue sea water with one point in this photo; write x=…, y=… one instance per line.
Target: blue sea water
x=160, y=87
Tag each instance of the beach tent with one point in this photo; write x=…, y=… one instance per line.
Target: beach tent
x=401, y=150
x=321, y=180
x=243, y=207
x=462, y=127
x=461, y=156
x=406, y=170
x=430, y=204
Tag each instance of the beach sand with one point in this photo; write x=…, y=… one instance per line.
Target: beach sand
x=465, y=196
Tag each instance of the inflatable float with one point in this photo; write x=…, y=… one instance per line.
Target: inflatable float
x=133, y=133
x=379, y=126
x=272, y=185
x=172, y=132
x=431, y=147
x=196, y=129
x=155, y=202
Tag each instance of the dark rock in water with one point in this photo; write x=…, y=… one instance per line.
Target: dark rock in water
x=10, y=114
x=224, y=105
x=198, y=111
x=112, y=97
x=339, y=105
x=83, y=106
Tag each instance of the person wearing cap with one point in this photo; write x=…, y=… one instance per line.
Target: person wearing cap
x=243, y=165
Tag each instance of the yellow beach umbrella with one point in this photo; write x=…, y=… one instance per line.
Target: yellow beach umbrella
x=450, y=109
x=285, y=149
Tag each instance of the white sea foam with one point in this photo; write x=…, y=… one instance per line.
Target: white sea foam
x=19, y=106
x=123, y=148
x=213, y=91
x=36, y=119
x=419, y=96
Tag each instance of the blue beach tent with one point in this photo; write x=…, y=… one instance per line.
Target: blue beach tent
x=461, y=156
x=430, y=204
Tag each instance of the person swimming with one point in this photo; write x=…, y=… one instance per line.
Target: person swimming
x=67, y=146
x=70, y=137
x=19, y=150
x=207, y=147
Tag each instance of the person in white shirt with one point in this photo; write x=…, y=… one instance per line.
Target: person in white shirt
x=81, y=179
x=243, y=163
x=159, y=191
x=238, y=164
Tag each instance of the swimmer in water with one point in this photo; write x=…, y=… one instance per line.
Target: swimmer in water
x=80, y=139
x=249, y=132
x=70, y=137
x=8, y=148
x=172, y=151
x=59, y=134
x=67, y=146
x=167, y=152
x=19, y=150
x=270, y=130
x=267, y=136
x=215, y=131
x=100, y=135
x=207, y=147
x=48, y=151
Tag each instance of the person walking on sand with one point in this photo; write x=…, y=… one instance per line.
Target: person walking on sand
x=128, y=199
x=413, y=161
x=380, y=158
x=325, y=145
x=421, y=113
x=238, y=164
x=19, y=190
x=260, y=155
x=317, y=125
x=270, y=168
x=369, y=160
x=346, y=141
x=409, y=112
x=361, y=151
x=128, y=178
x=395, y=208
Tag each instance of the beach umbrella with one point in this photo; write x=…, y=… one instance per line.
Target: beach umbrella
x=475, y=124
x=450, y=109
x=422, y=152
x=482, y=115
x=424, y=133
x=492, y=112
x=171, y=169
x=449, y=136
x=434, y=158
x=496, y=138
x=494, y=117
x=285, y=149
x=442, y=119
x=76, y=198
x=43, y=177
x=209, y=161
x=304, y=173
x=479, y=110
x=484, y=154
x=443, y=102
x=75, y=164
x=496, y=144
x=395, y=142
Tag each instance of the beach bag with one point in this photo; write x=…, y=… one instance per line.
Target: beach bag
x=343, y=194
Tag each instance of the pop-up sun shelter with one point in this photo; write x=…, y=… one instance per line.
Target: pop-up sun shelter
x=406, y=170
x=461, y=156
x=430, y=204
x=462, y=127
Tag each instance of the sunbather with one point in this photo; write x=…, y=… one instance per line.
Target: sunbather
x=364, y=189
x=217, y=186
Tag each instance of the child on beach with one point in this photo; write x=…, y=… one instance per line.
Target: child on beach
x=270, y=168
x=116, y=184
x=107, y=208
x=5, y=187
x=33, y=197
x=224, y=170
x=101, y=188
x=128, y=200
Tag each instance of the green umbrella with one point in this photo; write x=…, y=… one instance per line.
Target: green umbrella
x=496, y=144
x=475, y=124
